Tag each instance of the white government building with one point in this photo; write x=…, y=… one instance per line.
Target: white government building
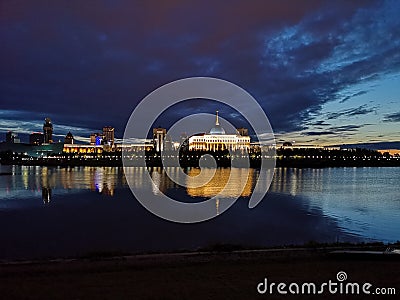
x=217, y=139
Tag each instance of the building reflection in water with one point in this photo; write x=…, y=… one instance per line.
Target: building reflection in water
x=52, y=180
x=47, y=179
x=46, y=195
x=226, y=183
x=298, y=181
x=161, y=182
x=104, y=180
x=218, y=185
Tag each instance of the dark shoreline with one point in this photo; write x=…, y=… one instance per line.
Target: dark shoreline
x=201, y=275
x=218, y=248
x=287, y=163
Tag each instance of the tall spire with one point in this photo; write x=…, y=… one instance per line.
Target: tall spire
x=217, y=121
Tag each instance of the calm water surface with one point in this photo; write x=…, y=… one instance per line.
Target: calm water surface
x=67, y=211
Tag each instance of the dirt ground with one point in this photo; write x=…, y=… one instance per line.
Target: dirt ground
x=210, y=275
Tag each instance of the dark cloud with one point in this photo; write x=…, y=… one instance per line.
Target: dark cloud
x=336, y=130
x=316, y=133
x=361, y=110
x=91, y=64
x=352, y=96
x=374, y=146
x=318, y=123
x=395, y=117
x=343, y=128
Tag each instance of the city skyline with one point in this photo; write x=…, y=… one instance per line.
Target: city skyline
x=96, y=137
x=325, y=73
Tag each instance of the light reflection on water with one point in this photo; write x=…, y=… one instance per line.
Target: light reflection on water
x=226, y=183
x=364, y=201
x=31, y=181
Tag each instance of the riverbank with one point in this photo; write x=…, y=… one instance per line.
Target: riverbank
x=195, y=275
x=254, y=163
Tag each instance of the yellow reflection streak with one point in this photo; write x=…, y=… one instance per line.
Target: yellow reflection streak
x=221, y=185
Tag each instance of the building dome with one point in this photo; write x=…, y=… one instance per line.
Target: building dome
x=69, y=138
x=217, y=129
x=287, y=144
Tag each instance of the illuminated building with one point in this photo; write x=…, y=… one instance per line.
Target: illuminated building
x=83, y=149
x=69, y=138
x=108, y=135
x=148, y=146
x=158, y=138
x=98, y=149
x=48, y=131
x=289, y=145
x=392, y=152
x=217, y=140
x=98, y=140
x=36, y=138
x=93, y=138
x=168, y=143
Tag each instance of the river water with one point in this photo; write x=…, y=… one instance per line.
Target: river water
x=46, y=212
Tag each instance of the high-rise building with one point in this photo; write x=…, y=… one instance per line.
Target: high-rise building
x=158, y=138
x=36, y=138
x=168, y=144
x=243, y=131
x=93, y=138
x=48, y=131
x=96, y=139
x=69, y=138
x=12, y=137
x=108, y=134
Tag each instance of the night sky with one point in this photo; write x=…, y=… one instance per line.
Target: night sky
x=325, y=72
